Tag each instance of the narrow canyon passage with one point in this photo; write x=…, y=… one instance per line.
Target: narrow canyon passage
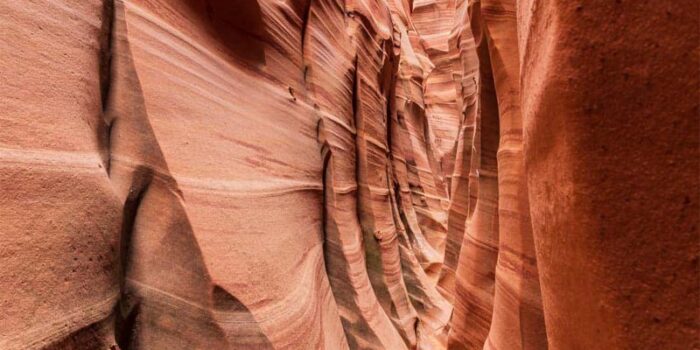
x=349, y=174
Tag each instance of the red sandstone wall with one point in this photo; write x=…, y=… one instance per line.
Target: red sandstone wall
x=358, y=174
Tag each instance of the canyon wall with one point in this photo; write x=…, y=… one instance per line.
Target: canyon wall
x=349, y=174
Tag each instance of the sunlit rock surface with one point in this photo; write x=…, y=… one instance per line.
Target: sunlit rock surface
x=349, y=174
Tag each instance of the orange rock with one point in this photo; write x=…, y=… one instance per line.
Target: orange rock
x=349, y=174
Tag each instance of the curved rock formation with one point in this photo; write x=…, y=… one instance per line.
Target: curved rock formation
x=349, y=174
x=612, y=120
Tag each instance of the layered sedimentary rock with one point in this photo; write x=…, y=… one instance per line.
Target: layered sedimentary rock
x=349, y=174
x=611, y=150
x=60, y=214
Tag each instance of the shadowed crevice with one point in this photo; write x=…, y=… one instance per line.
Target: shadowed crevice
x=243, y=331
x=125, y=326
x=105, y=52
x=305, y=23
x=104, y=127
x=165, y=286
x=142, y=178
x=237, y=25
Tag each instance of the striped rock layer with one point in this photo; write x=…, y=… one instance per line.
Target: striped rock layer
x=349, y=174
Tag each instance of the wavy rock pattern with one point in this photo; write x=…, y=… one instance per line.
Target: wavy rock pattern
x=349, y=174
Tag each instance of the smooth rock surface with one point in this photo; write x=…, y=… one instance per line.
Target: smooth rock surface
x=349, y=174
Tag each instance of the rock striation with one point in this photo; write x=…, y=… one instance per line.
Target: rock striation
x=349, y=174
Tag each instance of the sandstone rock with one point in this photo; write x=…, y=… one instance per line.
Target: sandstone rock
x=611, y=151
x=349, y=174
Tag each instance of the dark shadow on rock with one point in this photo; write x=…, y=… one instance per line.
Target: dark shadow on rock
x=165, y=286
x=241, y=328
x=237, y=24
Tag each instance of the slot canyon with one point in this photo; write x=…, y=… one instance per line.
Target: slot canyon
x=349, y=174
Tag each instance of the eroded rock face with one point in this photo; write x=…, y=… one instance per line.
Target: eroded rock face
x=349, y=174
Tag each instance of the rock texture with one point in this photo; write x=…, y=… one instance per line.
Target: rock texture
x=349, y=174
